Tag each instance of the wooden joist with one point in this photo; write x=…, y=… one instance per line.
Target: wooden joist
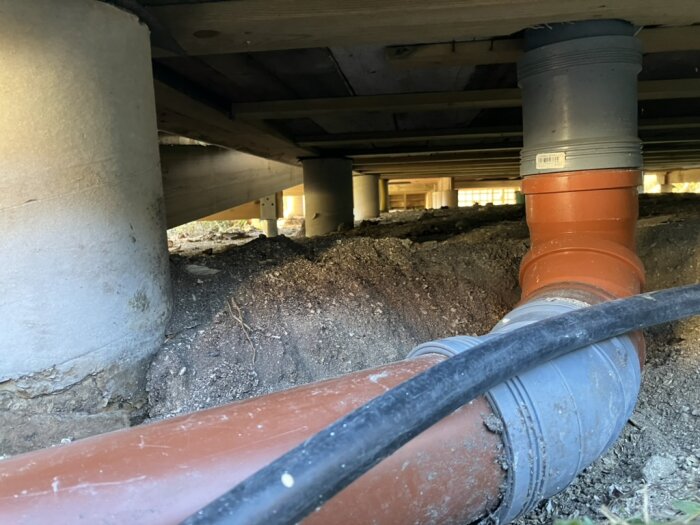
x=415, y=102
x=183, y=115
x=509, y=50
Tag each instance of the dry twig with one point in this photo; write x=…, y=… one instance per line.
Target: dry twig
x=231, y=303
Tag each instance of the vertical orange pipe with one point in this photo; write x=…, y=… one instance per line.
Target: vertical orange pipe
x=582, y=230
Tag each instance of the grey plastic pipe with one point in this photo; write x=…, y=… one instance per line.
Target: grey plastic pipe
x=557, y=418
x=579, y=88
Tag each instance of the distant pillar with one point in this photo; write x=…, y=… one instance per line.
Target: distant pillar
x=445, y=199
x=84, y=279
x=429, y=200
x=327, y=195
x=664, y=185
x=268, y=215
x=445, y=196
x=365, y=191
x=384, y=195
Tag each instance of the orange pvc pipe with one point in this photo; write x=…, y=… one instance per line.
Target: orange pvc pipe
x=582, y=230
x=163, y=472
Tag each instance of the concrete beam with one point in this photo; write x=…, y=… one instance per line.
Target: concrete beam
x=199, y=181
x=240, y=26
x=185, y=116
x=683, y=176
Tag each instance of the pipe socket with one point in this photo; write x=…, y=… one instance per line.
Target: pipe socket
x=557, y=418
x=579, y=89
x=582, y=230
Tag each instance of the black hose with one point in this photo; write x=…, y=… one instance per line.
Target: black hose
x=291, y=487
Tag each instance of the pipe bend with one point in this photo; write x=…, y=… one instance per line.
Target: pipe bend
x=558, y=418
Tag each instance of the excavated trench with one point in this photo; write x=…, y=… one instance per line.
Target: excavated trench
x=254, y=318
x=276, y=313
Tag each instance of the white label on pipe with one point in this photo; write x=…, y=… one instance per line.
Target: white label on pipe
x=548, y=161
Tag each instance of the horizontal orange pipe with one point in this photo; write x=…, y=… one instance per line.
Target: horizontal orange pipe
x=163, y=472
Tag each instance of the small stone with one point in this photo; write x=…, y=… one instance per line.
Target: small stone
x=201, y=271
x=695, y=412
x=658, y=468
x=494, y=424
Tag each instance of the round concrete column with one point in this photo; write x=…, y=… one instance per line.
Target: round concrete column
x=327, y=195
x=365, y=191
x=84, y=262
x=445, y=198
x=383, y=195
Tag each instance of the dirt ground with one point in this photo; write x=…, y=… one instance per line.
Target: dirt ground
x=273, y=313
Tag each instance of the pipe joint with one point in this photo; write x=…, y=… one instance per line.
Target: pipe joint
x=571, y=119
x=582, y=227
x=559, y=417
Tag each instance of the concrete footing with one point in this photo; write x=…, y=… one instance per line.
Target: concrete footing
x=327, y=195
x=84, y=279
x=365, y=191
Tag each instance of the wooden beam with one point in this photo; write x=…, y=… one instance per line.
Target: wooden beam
x=449, y=54
x=414, y=102
x=183, y=115
x=407, y=136
x=288, y=109
x=376, y=138
x=235, y=26
x=509, y=50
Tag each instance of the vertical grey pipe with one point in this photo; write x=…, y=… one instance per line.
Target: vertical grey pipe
x=579, y=88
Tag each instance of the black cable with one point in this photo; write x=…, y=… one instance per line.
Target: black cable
x=291, y=487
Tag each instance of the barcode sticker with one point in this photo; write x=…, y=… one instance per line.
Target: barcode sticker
x=548, y=161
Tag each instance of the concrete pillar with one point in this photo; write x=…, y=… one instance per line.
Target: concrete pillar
x=445, y=198
x=384, y=201
x=327, y=195
x=84, y=260
x=269, y=211
x=365, y=191
x=445, y=183
x=665, y=186
x=269, y=227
